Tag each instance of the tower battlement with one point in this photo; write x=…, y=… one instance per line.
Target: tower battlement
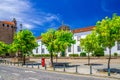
x=7, y=30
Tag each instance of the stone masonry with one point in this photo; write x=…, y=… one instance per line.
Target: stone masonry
x=7, y=30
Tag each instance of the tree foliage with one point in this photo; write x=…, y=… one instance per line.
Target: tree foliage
x=24, y=41
x=3, y=48
x=98, y=52
x=57, y=41
x=90, y=44
x=63, y=40
x=108, y=31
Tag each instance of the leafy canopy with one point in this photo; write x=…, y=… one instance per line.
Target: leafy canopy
x=57, y=41
x=90, y=42
x=24, y=41
x=3, y=48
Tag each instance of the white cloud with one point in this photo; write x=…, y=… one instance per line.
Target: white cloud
x=24, y=12
x=28, y=26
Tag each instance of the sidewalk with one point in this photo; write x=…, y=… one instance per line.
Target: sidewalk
x=82, y=69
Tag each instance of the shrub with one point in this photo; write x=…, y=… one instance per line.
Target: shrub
x=83, y=54
x=115, y=54
x=73, y=55
x=36, y=55
x=93, y=54
x=54, y=55
x=99, y=52
x=45, y=55
x=32, y=54
x=41, y=55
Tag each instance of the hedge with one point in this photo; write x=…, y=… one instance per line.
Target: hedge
x=43, y=55
x=83, y=54
x=73, y=55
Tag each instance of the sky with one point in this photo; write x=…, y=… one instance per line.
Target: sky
x=41, y=15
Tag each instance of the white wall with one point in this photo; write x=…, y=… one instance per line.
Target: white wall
x=40, y=47
x=76, y=37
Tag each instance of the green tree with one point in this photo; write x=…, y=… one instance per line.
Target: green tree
x=3, y=48
x=12, y=48
x=57, y=41
x=98, y=52
x=63, y=40
x=106, y=30
x=25, y=42
x=90, y=44
x=116, y=27
x=48, y=39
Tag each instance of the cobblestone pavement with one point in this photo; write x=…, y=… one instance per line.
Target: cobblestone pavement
x=8, y=72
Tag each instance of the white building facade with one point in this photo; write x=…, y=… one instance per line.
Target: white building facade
x=75, y=48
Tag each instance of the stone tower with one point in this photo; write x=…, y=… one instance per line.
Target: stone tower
x=7, y=30
x=64, y=27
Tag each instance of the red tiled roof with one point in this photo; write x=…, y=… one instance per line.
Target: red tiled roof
x=7, y=22
x=77, y=30
x=83, y=29
x=39, y=37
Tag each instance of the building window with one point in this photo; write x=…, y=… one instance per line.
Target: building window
x=78, y=38
x=78, y=48
x=7, y=25
x=43, y=51
x=118, y=45
x=3, y=25
x=37, y=50
x=69, y=49
x=42, y=43
x=11, y=26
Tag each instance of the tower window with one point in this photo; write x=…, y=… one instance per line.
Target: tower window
x=7, y=25
x=3, y=24
x=11, y=26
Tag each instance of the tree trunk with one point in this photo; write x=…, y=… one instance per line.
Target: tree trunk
x=109, y=61
x=24, y=60
x=56, y=58
x=88, y=59
x=51, y=59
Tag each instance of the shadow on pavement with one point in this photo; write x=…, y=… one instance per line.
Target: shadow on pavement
x=62, y=65
x=94, y=64
x=112, y=70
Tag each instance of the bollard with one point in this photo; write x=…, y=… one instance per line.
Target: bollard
x=26, y=65
x=18, y=63
x=76, y=69
x=54, y=67
x=38, y=66
x=45, y=67
x=108, y=71
x=90, y=69
x=22, y=64
x=64, y=67
x=32, y=65
x=5, y=61
x=11, y=63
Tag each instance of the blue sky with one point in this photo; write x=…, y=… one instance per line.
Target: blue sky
x=40, y=15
